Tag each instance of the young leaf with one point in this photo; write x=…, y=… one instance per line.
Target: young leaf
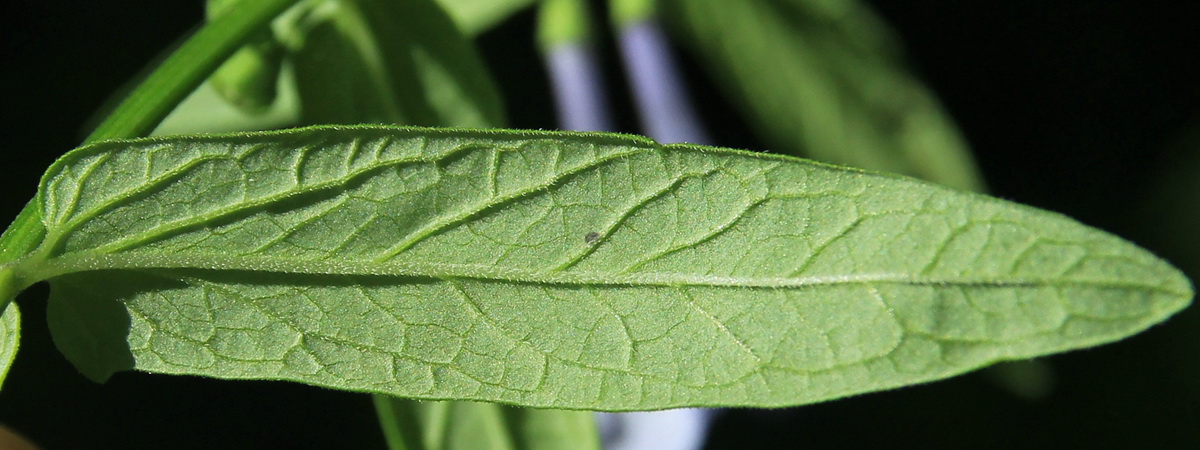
x=248, y=79
x=10, y=332
x=206, y=111
x=387, y=61
x=822, y=80
x=549, y=269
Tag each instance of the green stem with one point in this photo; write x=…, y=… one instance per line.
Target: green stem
x=435, y=417
x=186, y=68
x=146, y=106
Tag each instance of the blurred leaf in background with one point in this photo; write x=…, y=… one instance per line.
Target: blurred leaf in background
x=825, y=80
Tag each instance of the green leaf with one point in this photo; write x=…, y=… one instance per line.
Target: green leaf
x=10, y=333
x=452, y=83
x=206, y=111
x=387, y=61
x=474, y=17
x=248, y=78
x=822, y=79
x=589, y=271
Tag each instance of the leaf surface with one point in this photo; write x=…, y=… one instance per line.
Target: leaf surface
x=426, y=72
x=568, y=270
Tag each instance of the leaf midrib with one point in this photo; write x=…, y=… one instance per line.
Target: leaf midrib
x=82, y=262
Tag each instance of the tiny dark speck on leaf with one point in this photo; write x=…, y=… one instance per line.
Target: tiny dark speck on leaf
x=591, y=237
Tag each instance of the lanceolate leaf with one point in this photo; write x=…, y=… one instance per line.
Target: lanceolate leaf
x=559, y=269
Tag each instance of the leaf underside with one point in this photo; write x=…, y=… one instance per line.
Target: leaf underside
x=566, y=270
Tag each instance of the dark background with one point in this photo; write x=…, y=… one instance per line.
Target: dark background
x=1090, y=108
